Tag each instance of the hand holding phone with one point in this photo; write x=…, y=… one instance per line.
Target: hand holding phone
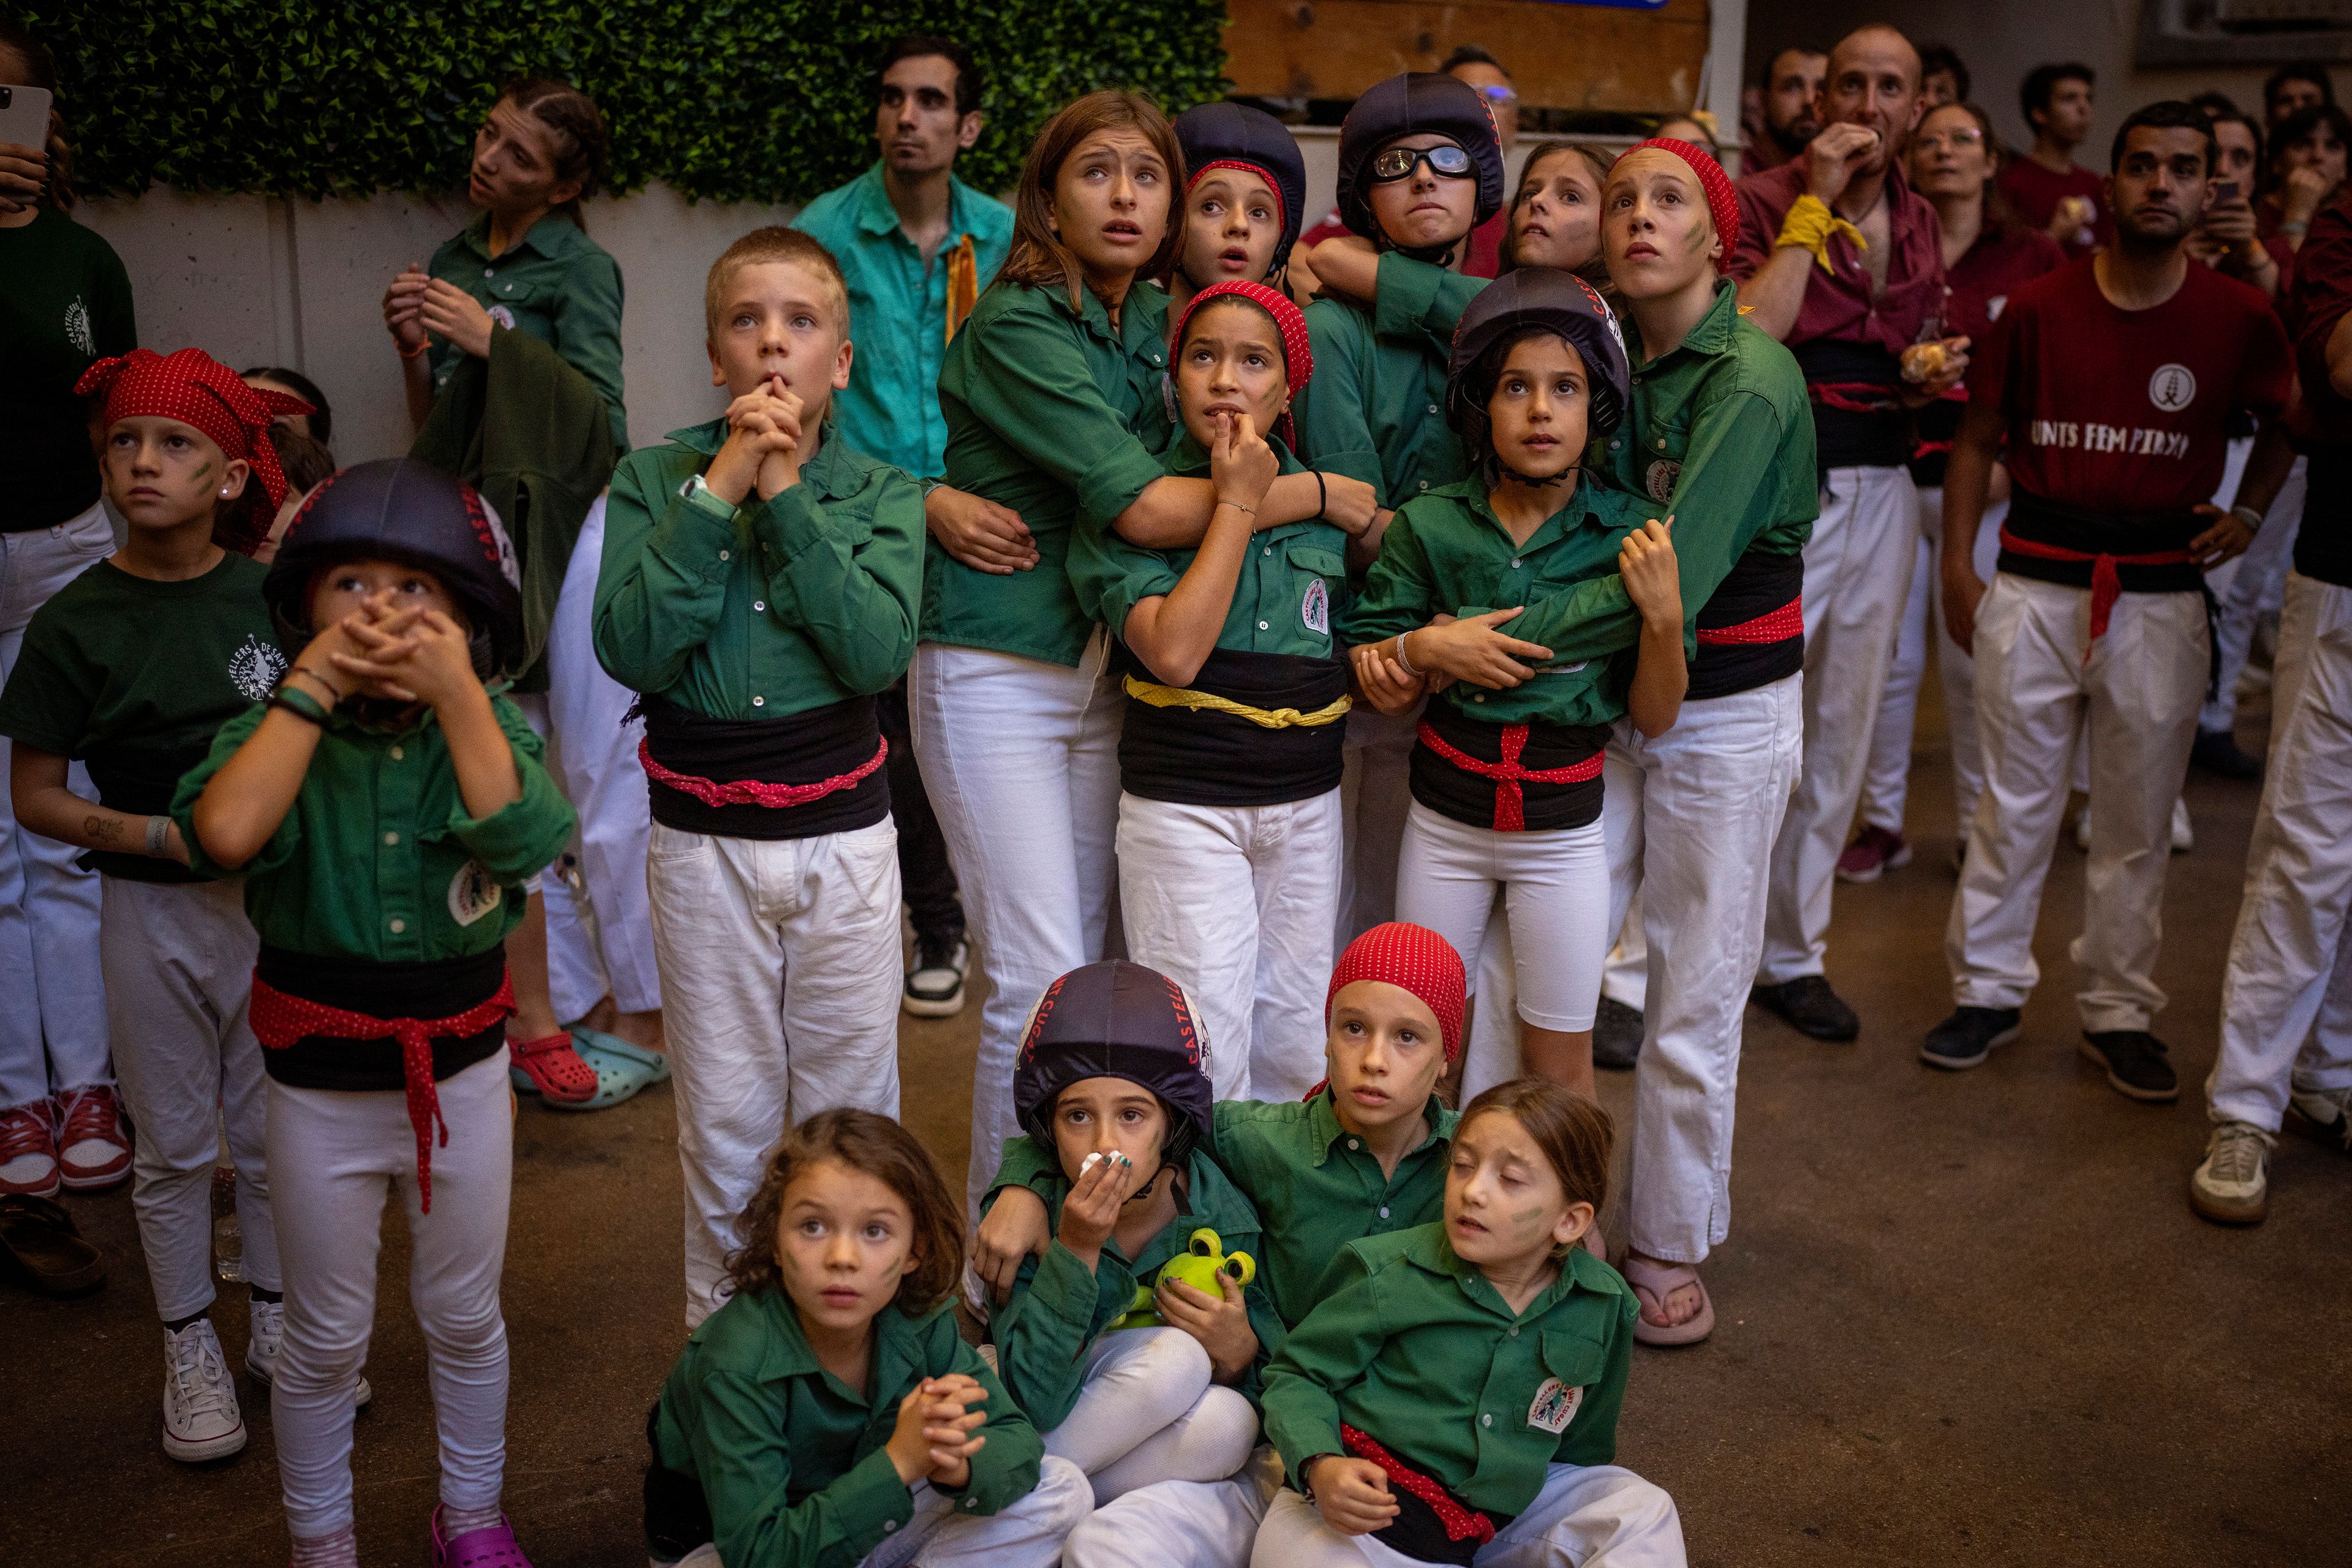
x=24, y=146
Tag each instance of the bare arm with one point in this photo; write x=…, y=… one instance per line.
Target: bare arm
x=1966, y=477
x=1661, y=673
x=254, y=789
x=1172, y=513
x=37, y=788
x=1776, y=294
x=1174, y=633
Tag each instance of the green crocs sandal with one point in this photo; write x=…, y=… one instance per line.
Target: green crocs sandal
x=621, y=1069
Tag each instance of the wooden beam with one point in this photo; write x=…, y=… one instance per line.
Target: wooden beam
x=1561, y=56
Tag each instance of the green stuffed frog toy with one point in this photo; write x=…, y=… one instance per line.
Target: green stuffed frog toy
x=1199, y=1266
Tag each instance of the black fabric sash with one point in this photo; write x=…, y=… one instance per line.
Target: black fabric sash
x=1468, y=797
x=436, y=989
x=1843, y=437
x=1758, y=583
x=1197, y=756
x=798, y=749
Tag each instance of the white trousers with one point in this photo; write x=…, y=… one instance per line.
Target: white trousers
x=179, y=967
x=1025, y=1533
x=1690, y=818
x=2290, y=967
x=1589, y=1516
x=1555, y=888
x=338, y=1155
x=1151, y=1411
x=781, y=969
x=1181, y=1524
x=2141, y=688
x=2254, y=587
x=1021, y=761
x=1236, y=904
x=1857, y=572
x=1375, y=793
x=53, y=1029
x=600, y=933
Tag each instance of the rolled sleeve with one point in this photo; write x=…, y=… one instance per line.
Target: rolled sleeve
x=1030, y=383
x=1111, y=575
x=1419, y=297
x=525, y=835
x=1329, y=1350
x=1396, y=597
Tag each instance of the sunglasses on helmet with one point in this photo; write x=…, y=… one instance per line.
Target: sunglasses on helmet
x=1444, y=159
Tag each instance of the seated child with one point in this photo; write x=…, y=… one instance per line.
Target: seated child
x=1455, y=1397
x=385, y=810
x=759, y=587
x=1230, y=756
x=829, y=1414
x=1507, y=772
x=1112, y=1077
x=132, y=669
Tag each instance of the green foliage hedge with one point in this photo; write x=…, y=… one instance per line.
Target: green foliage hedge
x=764, y=100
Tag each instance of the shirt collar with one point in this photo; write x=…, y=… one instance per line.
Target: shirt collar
x=1431, y=1249
x=1710, y=337
x=550, y=236
x=1556, y=527
x=875, y=213
x=1186, y=458
x=1323, y=1122
x=789, y=1355
x=824, y=473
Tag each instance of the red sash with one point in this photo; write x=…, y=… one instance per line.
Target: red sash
x=2107, y=585
x=1510, y=803
x=751, y=792
x=1773, y=626
x=1461, y=1521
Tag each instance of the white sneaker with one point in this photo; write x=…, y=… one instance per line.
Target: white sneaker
x=200, y=1415
x=2230, y=1185
x=2184, y=837
x=268, y=1336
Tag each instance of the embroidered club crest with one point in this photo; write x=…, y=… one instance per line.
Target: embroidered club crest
x=2172, y=388
x=473, y=893
x=502, y=316
x=1659, y=479
x=255, y=668
x=78, y=330
x=1315, y=609
x=1555, y=1406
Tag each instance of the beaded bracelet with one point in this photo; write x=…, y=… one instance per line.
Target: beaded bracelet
x=301, y=703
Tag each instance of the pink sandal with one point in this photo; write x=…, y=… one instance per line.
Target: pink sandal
x=551, y=1067
x=1653, y=1283
x=491, y=1548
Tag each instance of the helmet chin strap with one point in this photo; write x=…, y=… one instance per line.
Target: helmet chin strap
x=1513, y=475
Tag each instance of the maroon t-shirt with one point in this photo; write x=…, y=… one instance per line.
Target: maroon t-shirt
x=2004, y=258
x=2322, y=294
x=2110, y=411
x=2035, y=192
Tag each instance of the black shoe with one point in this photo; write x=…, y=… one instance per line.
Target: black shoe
x=2136, y=1064
x=1810, y=1006
x=935, y=983
x=2218, y=752
x=1968, y=1037
x=1616, y=1036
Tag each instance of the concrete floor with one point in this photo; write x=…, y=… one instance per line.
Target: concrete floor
x=1962, y=1318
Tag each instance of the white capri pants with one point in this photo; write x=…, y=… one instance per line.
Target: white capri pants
x=341, y=1153
x=1556, y=889
x=1236, y=905
x=781, y=970
x=1025, y=1533
x=1588, y=1516
x=1151, y=1411
x=2290, y=967
x=1179, y=1524
x=179, y=968
x=2141, y=688
x=1021, y=761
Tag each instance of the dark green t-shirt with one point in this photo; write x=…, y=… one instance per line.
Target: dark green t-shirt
x=65, y=304
x=134, y=678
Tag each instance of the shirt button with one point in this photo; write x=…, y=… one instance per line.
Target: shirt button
x=722, y=555
x=889, y=1525
x=1432, y=408
x=1515, y=1328
x=397, y=754
x=1384, y=1214
x=1352, y=1143
x=1615, y=444
x=398, y=925
x=758, y=604
x=759, y=702
x=1268, y=551
x=974, y=1502
x=489, y=272
x=1480, y=697
x=390, y=838
x=1485, y=1421
x=1261, y=626
x=1424, y=484
x=1515, y=562
x=1662, y=443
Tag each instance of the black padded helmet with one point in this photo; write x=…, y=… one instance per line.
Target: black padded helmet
x=1407, y=105
x=398, y=509
x=1214, y=133
x=1539, y=298
x=1115, y=1019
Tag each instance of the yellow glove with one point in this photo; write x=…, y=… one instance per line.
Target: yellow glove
x=1810, y=225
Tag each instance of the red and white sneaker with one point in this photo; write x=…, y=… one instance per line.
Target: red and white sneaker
x=1873, y=852
x=28, y=1152
x=93, y=1146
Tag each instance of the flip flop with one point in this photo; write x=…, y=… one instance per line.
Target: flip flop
x=551, y=1067
x=1653, y=1283
x=42, y=1248
x=621, y=1069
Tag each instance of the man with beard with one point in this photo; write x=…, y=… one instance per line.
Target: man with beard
x=2112, y=380
x=1793, y=81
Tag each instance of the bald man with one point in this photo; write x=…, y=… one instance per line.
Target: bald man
x=1842, y=261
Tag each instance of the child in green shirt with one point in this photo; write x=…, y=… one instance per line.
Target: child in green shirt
x=830, y=1406
x=385, y=810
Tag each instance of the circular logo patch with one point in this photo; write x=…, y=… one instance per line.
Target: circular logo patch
x=1659, y=479
x=1315, y=610
x=473, y=893
x=502, y=316
x=2172, y=388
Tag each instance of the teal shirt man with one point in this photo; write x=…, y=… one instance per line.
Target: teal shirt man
x=898, y=310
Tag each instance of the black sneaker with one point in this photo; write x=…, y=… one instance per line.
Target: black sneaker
x=1616, y=1036
x=2218, y=752
x=2136, y=1063
x=1968, y=1037
x=1810, y=1007
x=935, y=983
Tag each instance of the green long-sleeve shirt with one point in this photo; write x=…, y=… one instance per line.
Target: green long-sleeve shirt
x=378, y=858
x=1414, y=1348
x=556, y=284
x=1376, y=408
x=1058, y=415
x=786, y=605
x=790, y=1459
x=1058, y=1307
x=1447, y=551
x=1315, y=1185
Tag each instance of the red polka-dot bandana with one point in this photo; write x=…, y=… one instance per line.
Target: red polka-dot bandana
x=197, y=389
x=1298, y=358
x=1414, y=957
x=1722, y=203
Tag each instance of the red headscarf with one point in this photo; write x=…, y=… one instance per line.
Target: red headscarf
x=1721, y=201
x=1273, y=182
x=197, y=389
x=1298, y=358
x=1414, y=957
